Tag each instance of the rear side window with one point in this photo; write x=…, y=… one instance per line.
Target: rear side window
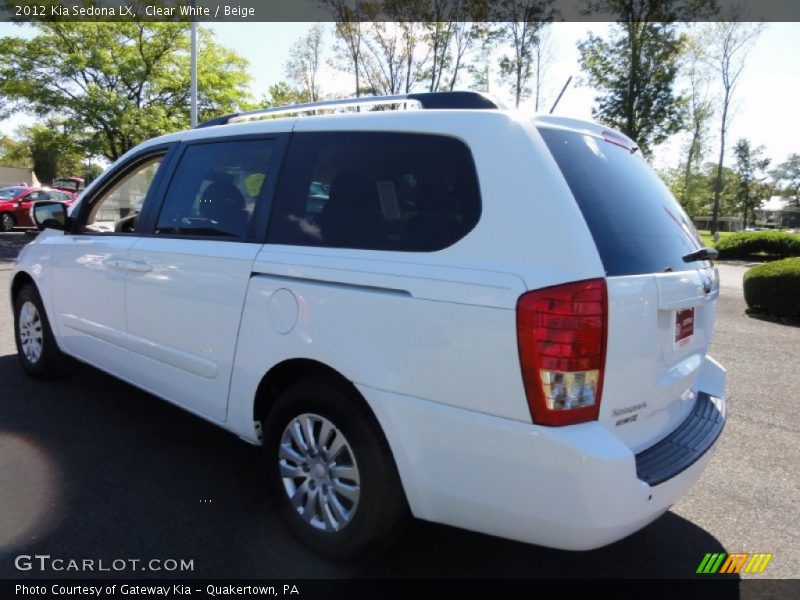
x=215, y=189
x=375, y=191
x=636, y=223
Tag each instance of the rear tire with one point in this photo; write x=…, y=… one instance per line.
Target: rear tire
x=330, y=471
x=7, y=222
x=38, y=352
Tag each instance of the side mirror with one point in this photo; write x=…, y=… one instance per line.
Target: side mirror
x=49, y=214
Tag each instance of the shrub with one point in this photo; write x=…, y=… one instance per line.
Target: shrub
x=774, y=287
x=746, y=244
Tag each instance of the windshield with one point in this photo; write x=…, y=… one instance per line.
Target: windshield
x=8, y=193
x=636, y=223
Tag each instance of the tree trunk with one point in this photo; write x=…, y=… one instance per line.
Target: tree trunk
x=687, y=175
x=456, y=67
x=434, y=79
x=630, y=109
x=744, y=216
x=718, y=181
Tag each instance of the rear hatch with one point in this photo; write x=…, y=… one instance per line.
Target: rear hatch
x=660, y=307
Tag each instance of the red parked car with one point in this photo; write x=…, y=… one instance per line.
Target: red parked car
x=16, y=200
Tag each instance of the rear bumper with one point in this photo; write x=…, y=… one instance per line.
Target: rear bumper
x=684, y=446
x=574, y=488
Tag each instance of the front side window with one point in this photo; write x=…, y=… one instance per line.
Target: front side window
x=376, y=191
x=117, y=209
x=215, y=189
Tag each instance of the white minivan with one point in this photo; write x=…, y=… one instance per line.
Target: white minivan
x=449, y=309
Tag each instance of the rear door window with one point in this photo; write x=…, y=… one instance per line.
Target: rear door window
x=375, y=191
x=636, y=223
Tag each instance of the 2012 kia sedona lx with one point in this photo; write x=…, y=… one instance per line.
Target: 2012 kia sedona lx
x=495, y=322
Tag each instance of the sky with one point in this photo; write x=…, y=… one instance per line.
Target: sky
x=765, y=105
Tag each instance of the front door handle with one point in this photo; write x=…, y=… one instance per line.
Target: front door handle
x=136, y=266
x=130, y=266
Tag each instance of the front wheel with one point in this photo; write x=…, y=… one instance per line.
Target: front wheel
x=7, y=222
x=38, y=352
x=330, y=470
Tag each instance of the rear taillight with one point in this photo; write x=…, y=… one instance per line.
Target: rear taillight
x=561, y=333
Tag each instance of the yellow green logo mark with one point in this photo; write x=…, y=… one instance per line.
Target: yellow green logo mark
x=736, y=562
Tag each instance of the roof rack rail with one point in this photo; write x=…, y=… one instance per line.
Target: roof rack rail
x=428, y=100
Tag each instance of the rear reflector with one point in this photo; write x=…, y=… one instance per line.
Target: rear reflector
x=561, y=334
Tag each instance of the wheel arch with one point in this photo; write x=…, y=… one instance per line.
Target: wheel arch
x=290, y=371
x=21, y=279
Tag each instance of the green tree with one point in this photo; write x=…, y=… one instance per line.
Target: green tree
x=699, y=114
x=725, y=48
x=635, y=72
x=283, y=94
x=523, y=30
x=305, y=60
x=786, y=176
x=349, y=35
x=51, y=150
x=728, y=199
x=751, y=165
x=116, y=84
x=12, y=153
x=454, y=29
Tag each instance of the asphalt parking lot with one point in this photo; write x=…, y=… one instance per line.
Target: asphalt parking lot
x=93, y=468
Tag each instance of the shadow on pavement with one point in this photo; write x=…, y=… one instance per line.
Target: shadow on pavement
x=126, y=475
x=11, y=244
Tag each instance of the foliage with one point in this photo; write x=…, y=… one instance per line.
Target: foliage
x=747, y=244
x=51, y=150
x=349, y=35
x=698, y=197
x=635, y=71
x=787, y=178
x=726, y=46
x=750, y=167
x=523, y=32
x=12, y=153
x=304, y=62
x=708, y=239
x=774, y=287
x=283, y=94
x=699, y=113
x=117, y=84
x=396, y=52
x=454, y=29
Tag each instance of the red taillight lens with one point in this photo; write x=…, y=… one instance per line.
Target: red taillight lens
x=561, y=333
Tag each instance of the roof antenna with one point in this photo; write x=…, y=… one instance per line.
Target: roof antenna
x=561, y=93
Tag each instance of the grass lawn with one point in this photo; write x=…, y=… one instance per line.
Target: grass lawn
x=705, y=235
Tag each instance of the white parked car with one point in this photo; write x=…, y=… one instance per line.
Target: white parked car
x=491, y=321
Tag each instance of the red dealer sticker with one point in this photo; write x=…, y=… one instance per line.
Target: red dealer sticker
x=684, y=326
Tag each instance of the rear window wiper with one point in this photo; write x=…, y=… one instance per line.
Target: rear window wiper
x=702, y=254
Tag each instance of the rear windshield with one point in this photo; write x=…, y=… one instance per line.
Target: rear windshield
x=636, y=223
